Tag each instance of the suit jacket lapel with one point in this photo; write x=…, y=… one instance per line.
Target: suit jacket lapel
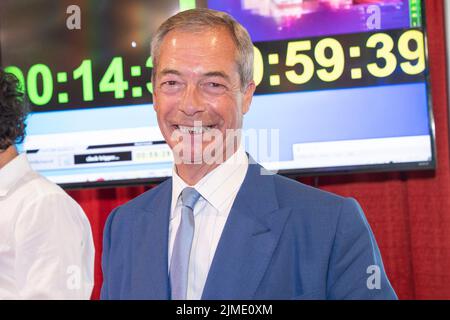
x=149, y=275
x=248, y=241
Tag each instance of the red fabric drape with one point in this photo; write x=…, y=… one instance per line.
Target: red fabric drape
x=409, y=212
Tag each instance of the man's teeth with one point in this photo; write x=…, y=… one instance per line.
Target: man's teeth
x=194, y=130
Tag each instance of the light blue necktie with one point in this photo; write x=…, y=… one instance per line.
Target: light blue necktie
x=179, y=264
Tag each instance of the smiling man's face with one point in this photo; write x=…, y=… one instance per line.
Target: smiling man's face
x=197, y=82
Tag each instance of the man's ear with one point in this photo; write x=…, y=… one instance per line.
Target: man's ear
x=248, y=96
x=155, y=107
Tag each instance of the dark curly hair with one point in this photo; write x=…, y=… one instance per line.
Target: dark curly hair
x=13, y=111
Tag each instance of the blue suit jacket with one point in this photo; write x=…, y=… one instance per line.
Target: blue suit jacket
x=282, y=240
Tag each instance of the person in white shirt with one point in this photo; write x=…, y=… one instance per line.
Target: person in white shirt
x=46, y=245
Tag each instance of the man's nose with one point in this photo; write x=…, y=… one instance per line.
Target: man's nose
x=191, y=102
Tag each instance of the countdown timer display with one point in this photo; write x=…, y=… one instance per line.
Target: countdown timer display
x=396, y=56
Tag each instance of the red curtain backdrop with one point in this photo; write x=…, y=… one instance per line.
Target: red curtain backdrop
x=409, y=212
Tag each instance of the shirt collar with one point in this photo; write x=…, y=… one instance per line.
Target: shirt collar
x=12, y=172
x=219, y=184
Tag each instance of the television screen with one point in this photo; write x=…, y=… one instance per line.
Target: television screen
x=342, y=86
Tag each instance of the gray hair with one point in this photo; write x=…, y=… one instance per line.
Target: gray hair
x=201, y=18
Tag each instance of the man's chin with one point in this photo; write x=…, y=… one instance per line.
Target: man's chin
x=188, y=157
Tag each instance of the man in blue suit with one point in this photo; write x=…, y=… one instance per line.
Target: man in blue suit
x=223, y=227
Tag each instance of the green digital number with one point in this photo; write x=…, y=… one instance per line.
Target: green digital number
x=112, y=80
x=35, y=96
x=84, y=71
x=19, y=75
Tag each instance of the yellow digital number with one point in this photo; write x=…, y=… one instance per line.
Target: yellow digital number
x=417, y=54
x=293, y=57
x=385, y=53
x=258, y=66
x=336, y=61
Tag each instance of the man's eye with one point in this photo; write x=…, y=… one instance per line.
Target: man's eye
x=170, y=83
x=214, y=88
x=171, y=86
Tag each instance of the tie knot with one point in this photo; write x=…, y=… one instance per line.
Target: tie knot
x=189, y=197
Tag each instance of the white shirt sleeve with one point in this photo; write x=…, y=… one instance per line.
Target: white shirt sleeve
x=54, y=250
